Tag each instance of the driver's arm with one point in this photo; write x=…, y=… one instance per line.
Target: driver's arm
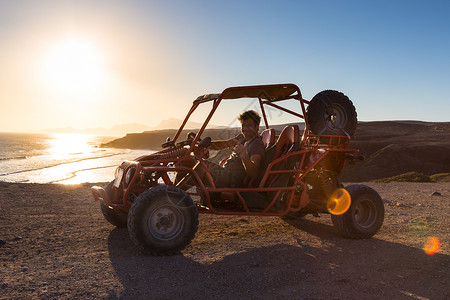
x=223, y=144
x=251, y=163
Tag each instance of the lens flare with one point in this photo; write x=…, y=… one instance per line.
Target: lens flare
x=339, y=202
x=432, y=246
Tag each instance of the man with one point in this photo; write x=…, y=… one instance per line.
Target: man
x=247, y=158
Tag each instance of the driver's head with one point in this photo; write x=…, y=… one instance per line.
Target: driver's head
x=250, y=123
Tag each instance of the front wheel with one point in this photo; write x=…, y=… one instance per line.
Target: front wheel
x=364, y=217
x=163, y=220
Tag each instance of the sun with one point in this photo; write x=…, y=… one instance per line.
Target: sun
x=73, y=66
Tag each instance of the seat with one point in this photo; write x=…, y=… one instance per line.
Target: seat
x=288, y=141
x=268, y=137
x=289, y=136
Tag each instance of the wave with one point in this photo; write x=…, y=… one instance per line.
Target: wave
x=61, y=163
x=13, y=157
x=74, y=174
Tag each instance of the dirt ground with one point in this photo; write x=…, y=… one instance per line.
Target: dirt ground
x=55, y=244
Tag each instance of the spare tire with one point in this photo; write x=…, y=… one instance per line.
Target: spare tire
x=331, y=113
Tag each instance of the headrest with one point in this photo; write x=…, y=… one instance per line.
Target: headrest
x=288, y=136
x=268, y=136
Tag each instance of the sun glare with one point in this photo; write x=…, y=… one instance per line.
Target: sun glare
x=339, y=202
x=432, y=246
x=69, y=144
x=73, y=66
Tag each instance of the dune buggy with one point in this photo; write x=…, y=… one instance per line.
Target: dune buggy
x=299, y=176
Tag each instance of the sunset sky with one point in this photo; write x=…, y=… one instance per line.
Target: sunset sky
x=88, y=64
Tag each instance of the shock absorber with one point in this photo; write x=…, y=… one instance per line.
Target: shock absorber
x=173, y=153
x=327, y=181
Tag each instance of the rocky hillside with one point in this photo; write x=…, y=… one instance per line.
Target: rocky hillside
x=393, y=148
x=390, y=147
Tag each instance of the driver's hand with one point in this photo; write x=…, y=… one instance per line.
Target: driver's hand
x=240, y=150
x=240, y=138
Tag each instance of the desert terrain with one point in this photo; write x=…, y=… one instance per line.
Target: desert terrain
x=55, y=244
x=390, y=147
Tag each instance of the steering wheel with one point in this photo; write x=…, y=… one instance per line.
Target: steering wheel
x=201, y=150
x=205, y=143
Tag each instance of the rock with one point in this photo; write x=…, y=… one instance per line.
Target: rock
x=437, y=194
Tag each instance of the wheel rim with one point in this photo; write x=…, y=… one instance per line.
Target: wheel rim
x=165, y=222
x=365, y=214
x=337, y=117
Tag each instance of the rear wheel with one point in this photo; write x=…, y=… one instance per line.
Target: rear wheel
x=163, y=220
x=115, y=217
x=364, y=217
x=331, y=113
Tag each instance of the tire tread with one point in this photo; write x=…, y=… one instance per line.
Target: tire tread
x=138, y=209
x=344, y=223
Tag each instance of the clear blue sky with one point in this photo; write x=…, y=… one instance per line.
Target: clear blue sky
x=392, y=58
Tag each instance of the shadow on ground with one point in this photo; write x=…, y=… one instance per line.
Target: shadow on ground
x=338, y=268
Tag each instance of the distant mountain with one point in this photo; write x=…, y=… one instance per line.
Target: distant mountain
x=154, y=138
x=127, y=128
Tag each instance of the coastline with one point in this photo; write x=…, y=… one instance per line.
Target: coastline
x=390, y=148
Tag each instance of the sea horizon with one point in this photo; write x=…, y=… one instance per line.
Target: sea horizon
x=59, y=158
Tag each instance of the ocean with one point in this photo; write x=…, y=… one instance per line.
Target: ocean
x=60, y=158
